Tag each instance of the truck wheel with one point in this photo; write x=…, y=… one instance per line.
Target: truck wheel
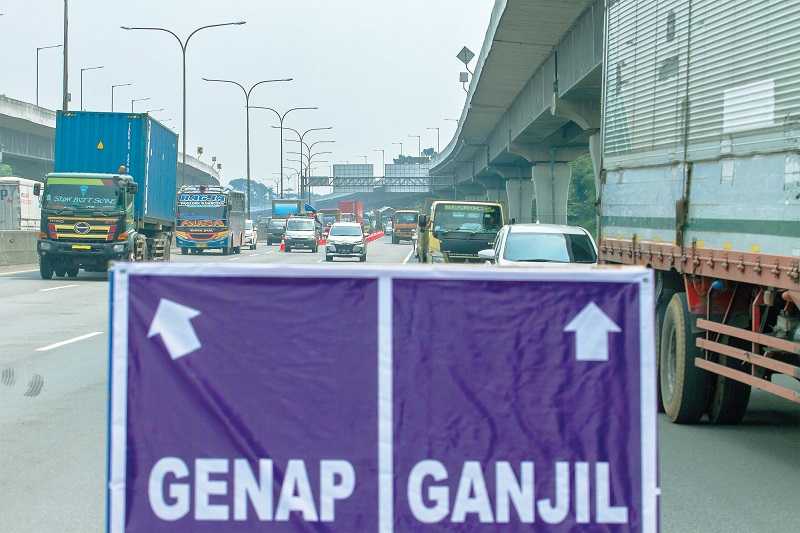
x=226, y=251
x=73, y=272
x=329, y=258
x=363, y=258
x=661, y=310
x=184, y=251
x=730, y=397
x=45, y=268
x=684, y=387
x=61, y=272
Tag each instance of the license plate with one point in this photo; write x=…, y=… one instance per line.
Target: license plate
x=201, y=245
x=81, y=247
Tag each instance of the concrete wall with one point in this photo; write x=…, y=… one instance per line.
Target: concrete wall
x=18, y=248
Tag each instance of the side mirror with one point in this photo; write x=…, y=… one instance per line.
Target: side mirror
x=423, y=221
x=134, y=187
x=37, y=189
x=487, y=255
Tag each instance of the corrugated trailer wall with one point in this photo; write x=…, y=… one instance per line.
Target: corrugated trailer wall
x=732, y=68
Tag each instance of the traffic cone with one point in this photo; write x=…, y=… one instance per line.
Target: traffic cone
x=283, y=245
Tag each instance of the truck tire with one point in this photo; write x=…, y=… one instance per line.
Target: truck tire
x=184, y=251
x=73, y=271
x=685, y=388
x=329, y=258
x=61, y=272
x=729, y=398
x=661, y=310
x=45, y=268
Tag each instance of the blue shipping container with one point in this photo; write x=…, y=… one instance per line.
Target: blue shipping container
x=102, y=142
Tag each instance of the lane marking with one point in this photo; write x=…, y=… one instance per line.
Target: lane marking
x=18, y=272
x=234, y=258
x=68, y=341
x=57, y=288
x=409, y=256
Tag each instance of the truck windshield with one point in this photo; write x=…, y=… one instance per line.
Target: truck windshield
x=465, y=217
x=299, y=224
x=549, y=248
x=201, y=207
x=406, y=218
x=328, y=219
x=76, y=193
x=277, y=223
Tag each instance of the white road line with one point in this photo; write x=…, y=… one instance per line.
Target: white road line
x=57, y=288
x=409, y=256
x=234, y=258
x=68, y=341
x=17, y=272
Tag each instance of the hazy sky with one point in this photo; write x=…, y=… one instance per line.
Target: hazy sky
x=379, y=70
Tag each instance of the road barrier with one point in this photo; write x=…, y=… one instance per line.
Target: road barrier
x=409, y=419
x=374, y=236
x=17, y=247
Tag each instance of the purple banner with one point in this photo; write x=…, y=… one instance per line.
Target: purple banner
x=361, y=400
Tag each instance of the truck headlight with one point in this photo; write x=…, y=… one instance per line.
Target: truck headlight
x=45, y=246
x=119, y=248
x=332, y=247
x=436, y=257
x=358, y=247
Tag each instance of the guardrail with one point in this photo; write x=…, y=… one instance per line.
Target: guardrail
x=17, y=247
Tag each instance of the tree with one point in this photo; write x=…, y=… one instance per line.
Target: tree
x=581, y=206
x=430, y=153
x=6, y=170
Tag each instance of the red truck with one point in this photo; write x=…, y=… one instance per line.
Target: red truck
x=352, y=211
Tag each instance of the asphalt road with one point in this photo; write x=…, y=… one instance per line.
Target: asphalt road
x=53, y=394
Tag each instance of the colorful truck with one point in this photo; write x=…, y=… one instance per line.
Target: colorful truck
x=352, y=211
x=210, y=218
x=112, y=195
x=454, y=232
x=404, y=225
x=701, y=181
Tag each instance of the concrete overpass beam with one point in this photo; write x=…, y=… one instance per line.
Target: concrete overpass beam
x=551, y=182
x=584, y=113
x=517, y=195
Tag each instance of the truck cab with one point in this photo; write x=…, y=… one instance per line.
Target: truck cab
x=454, y=232
x=87, y=221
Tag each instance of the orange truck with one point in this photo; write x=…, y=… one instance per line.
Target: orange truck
x=404, y=223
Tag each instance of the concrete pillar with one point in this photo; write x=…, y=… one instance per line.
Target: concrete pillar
x=498, y=195
x=520, y=200
x=595, y=149
x=552, y=191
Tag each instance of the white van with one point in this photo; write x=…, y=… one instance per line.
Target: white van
x=20, y=209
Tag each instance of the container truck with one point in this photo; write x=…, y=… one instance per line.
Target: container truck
x=286, y=208
x=112, y=195
x=700, y=180
x=352, y=211
x=210, y=218
x=19, y=204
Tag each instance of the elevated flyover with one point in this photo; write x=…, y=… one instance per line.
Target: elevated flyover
x=27, y=136
x=533, y=106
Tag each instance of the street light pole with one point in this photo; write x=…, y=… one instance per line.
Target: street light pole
x=281, y=118
x=184, y=45
x=302, y=142
x=438, y=142
x=112, y=92
x=401, y=148
x=82, y=71
x=419, y=144
x=247, y=93
x=39, y=49
x=134, y=100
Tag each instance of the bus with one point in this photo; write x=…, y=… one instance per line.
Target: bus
x=210, y=218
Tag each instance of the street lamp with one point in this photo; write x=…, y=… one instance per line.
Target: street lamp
x=401, y=148
x=419, y=144
x=438, y=143
x=301, y=138
x=383, y=159
x=281, y=118
x=82, y=71
x=247, y=93
x=134, y=100
x=112, y=92
x=39, y=49
x=155, y=110
x=184, y=45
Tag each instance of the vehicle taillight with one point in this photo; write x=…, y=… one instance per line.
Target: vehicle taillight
x=112, y=230
x=51, y=229
x=123, y=236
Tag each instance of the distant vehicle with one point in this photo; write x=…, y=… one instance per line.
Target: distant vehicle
x=94, y=208
x=535, y=244
x=286, y=208
x=20, y=208
x=404, y=225
x=276, y=230
x=210, y=217
x=346, y=239
x=302, y=232
x=250, y=234
x=388, y=228
x=454, y=232
x=352, y=211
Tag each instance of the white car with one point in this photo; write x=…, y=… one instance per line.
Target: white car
x=529, y=244
x=346, y=239
x=250, y=235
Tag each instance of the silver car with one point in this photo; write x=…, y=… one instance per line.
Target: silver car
x=527, y=244
x=301, y=232
x=346, y=239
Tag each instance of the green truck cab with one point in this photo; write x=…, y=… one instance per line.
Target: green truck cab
x=454, y=232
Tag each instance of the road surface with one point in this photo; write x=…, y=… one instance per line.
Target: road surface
x=53, y=394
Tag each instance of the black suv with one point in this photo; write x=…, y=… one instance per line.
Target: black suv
x=276, y=230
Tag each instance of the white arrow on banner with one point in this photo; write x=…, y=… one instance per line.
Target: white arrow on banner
x=591, y=327
x=173, y=323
